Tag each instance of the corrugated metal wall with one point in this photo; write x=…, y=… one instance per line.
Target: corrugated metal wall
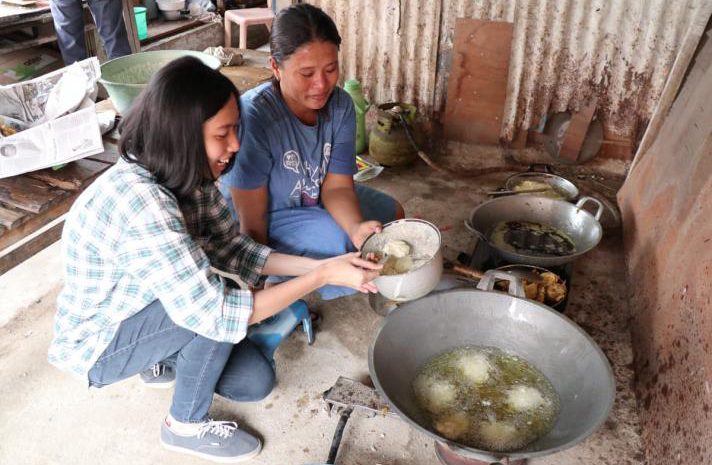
x=563, y=52
x=390, y=45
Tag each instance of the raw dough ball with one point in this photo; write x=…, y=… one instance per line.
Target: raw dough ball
x=397, y=265
x=475, y=367
x=524, y=398
x=396, y=248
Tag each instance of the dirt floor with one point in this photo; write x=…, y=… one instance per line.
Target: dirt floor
x=47, y=417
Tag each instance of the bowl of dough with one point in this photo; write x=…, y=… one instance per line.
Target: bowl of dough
x=410, y=251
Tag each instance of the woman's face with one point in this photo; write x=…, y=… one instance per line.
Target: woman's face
x=308, y=76
x=220, y=136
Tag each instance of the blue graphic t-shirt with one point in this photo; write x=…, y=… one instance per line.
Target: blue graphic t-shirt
x=288, y=156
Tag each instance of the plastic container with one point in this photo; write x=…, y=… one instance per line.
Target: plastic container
x=361, y=105
x=141, y=23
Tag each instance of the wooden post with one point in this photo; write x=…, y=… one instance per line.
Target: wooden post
x=131, y=26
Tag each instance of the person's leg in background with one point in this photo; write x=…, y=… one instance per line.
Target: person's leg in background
x=150, y=337
x=68, y=20
x=108, y=16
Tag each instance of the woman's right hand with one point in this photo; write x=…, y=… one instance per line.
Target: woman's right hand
x=350, y=270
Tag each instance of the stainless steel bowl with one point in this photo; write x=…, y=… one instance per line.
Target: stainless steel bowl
x=565, y=188
x=579, y=225
x=425, y=240
x=416, y=331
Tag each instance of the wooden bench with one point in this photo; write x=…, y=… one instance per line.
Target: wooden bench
x=33, y=205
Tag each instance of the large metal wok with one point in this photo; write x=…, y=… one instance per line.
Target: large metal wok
x=579, y=225
x=419, y=330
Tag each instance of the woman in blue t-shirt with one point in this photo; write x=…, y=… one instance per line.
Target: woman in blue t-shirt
x=292, y=184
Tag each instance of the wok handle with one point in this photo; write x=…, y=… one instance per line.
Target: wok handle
x=476, y=233
x=584, y=200
x=467, y=271
x=515, y=284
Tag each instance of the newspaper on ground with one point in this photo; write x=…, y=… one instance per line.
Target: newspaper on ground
x=50, y=120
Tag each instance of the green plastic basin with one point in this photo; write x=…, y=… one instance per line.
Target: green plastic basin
x=125, y=77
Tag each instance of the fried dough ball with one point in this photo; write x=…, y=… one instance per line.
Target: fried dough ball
x=452, y=426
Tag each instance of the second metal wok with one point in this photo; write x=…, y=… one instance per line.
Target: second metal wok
x=580, y=226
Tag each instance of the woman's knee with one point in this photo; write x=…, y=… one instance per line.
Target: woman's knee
x=313, y=233
x=248, y=375
x=263, y=383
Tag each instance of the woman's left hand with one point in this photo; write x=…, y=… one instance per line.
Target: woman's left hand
x=360, y=231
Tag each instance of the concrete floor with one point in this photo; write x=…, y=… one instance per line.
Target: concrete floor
x=46, y=417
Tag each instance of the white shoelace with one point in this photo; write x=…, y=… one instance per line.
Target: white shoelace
x=157, y=369
x=221, y=429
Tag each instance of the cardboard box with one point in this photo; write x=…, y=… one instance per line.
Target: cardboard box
x=28, y=64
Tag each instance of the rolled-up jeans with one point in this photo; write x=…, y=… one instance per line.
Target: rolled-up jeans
x=313, y=232
x=235, y=371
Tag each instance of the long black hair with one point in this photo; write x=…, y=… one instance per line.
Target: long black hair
x=163, y=130
x=297, y=25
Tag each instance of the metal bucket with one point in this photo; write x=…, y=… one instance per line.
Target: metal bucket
x=417, y=331
x=425, y=240
x=125, y=77
x=579, y=225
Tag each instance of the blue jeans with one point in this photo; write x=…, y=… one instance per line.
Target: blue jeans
x=68, y=18
x=312, y=232
x=235, y=371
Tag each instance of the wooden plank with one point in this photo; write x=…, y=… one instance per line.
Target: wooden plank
x=130, y=23
x=36, y=222
x=19, y=255
x=11, y=218
x=29, y=194
x=576, y=131
x=72, y=176
x=160, y=29
x=477, y=86
x=109, y=155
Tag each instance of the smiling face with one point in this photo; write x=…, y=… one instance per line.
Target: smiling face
x=308, y=77
x=220, y=136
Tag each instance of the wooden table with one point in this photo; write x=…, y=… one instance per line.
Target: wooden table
x=253, y=72
x=11, y=14
x=33, y=205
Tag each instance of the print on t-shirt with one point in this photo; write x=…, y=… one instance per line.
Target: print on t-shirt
x=308, y=184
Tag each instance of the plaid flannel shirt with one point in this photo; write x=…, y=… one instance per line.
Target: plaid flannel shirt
x=127, y=242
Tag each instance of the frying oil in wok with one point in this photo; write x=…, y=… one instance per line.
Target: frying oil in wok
x=486, y=398
x=531, y=239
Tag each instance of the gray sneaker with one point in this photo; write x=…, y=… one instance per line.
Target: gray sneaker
x=159, y=376
x=219, y=441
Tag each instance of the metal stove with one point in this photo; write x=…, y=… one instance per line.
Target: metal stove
x=347, y=395
x=448, y=457
x=484, y=258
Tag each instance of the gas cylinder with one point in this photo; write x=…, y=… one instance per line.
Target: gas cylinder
x=388, y=142
x=361, y=105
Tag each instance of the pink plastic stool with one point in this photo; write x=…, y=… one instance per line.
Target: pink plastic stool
x=247, y=17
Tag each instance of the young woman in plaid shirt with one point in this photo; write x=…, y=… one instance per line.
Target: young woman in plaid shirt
x=140, y=245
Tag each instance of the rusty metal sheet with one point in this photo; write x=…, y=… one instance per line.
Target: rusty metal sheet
x=563, y=53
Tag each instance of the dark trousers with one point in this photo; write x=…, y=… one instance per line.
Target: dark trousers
x=68, y=16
